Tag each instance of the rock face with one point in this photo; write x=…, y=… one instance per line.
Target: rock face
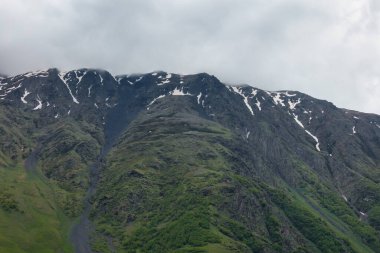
x=189, y=164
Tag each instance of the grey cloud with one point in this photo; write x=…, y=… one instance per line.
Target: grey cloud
x=327, y=48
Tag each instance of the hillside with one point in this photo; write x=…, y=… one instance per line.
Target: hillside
x=160, y=162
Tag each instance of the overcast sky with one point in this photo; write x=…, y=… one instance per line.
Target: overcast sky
x=329, y=49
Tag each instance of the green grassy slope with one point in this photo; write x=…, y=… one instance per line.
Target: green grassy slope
x=39, y=205
x=190, y=174
x=173, y=184
x=31, y=220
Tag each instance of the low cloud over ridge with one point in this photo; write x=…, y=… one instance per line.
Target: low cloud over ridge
x=329, y=48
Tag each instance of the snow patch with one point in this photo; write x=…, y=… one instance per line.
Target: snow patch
x=115, y=79
x=39, y=73
x=26, y=93
x=119, y=78
x=289, y=95
x=62, y=77
x=166, y=81
x=96, y=105
x=154, y=100
x=258, y=104
x=345, y=198
x=355, y=117
x=89, y=91
x=177, y=92
x=39, y=106
x=277, y=99
x=236, y=89
x=79, y=77
x=297, y=120
x=9, y=90
x=199, y=98
x=163, y=82
x=101, y=79
x=315, y=138
x=292, y=105
x=353, y=130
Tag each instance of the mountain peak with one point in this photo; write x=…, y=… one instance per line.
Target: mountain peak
x=186, y=162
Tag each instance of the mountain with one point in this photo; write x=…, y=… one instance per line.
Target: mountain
x=160, y=162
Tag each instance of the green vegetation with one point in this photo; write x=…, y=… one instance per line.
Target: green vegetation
x=273, y=226
x=174, y=185
x=185, y=176
x=334, y=209
x=7, y=201
x=68, y=151
x=164, y=203
x=312, y=227
x=374, y=217
x=31, y=220
x=38, y=205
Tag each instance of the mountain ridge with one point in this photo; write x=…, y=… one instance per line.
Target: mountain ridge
x=119, y=77
x=194, y=165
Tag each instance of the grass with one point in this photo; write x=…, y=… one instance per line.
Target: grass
x=331, y=207
x=310, y=225
x=37, y=225
x=177, y=185
x=160, y=189
x=175, y=182
x=335, y=224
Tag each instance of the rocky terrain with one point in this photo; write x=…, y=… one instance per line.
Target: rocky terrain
x=160, y=162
